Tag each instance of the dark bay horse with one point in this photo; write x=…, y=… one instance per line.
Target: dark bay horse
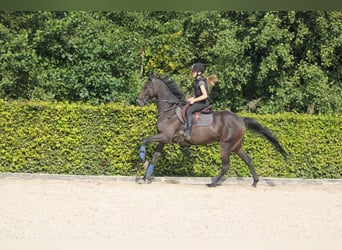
x=227, y=128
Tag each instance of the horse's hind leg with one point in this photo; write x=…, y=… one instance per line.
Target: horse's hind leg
x=225, y=156
x=247, y=159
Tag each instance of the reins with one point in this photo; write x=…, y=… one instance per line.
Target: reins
x=175, y=104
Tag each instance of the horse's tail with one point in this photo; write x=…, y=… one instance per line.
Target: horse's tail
x=257, y=127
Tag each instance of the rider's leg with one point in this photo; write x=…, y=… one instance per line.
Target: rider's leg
x=198, y=106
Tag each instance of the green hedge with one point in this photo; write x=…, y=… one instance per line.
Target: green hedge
x=61, y=138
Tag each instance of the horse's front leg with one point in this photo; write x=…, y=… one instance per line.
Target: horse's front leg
x=154, y=138
x=147, y=178
x=162, y=139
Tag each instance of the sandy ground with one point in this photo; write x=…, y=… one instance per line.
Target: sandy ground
x=65, y=209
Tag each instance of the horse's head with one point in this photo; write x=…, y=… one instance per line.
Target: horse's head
x=148, y=91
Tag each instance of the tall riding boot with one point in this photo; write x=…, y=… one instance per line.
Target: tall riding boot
x=188, y=127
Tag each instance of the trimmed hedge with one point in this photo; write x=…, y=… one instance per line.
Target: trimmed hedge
x=61, y=138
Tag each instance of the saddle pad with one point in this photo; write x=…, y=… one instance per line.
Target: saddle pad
x=204, y=120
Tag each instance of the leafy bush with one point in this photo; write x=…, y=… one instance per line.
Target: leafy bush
x=62, y=138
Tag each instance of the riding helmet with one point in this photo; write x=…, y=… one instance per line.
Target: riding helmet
x=198, y=67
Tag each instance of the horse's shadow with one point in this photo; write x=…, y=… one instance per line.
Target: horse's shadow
x=179, y=161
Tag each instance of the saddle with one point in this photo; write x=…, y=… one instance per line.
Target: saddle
x=200, y=118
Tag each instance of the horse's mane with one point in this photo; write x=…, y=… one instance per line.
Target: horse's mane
x=172, y=85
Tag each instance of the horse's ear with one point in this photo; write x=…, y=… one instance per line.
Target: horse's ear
x=151, y=77
x=154, y=76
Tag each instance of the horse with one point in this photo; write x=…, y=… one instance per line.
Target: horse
x=227, y=128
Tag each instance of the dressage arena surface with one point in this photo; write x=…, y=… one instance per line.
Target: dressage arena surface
x=43, y=207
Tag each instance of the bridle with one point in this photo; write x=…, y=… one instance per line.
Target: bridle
x=150, y=93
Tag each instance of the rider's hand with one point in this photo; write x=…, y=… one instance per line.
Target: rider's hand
x=191, y=100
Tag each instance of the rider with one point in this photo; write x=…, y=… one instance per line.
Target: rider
x=201, y=98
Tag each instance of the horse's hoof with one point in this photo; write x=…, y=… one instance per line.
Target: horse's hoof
x=141, y=181
x=212, y=185
x=148, y=180
x=144, y=180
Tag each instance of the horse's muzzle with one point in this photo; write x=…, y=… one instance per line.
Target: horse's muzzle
x=140, y=102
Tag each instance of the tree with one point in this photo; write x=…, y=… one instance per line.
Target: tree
x=290, y=61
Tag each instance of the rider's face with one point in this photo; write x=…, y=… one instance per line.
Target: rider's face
x=194, y=73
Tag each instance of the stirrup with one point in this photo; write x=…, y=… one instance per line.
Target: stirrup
x=187, y=135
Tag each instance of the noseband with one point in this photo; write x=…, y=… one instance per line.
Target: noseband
x=148, y=93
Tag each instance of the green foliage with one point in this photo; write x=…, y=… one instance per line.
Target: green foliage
x=284, y=58
x=62, y=138
x=40, y=137
x=76, y=56
x=292, y=60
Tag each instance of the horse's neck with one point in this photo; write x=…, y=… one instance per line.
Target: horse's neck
x=166, y=99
